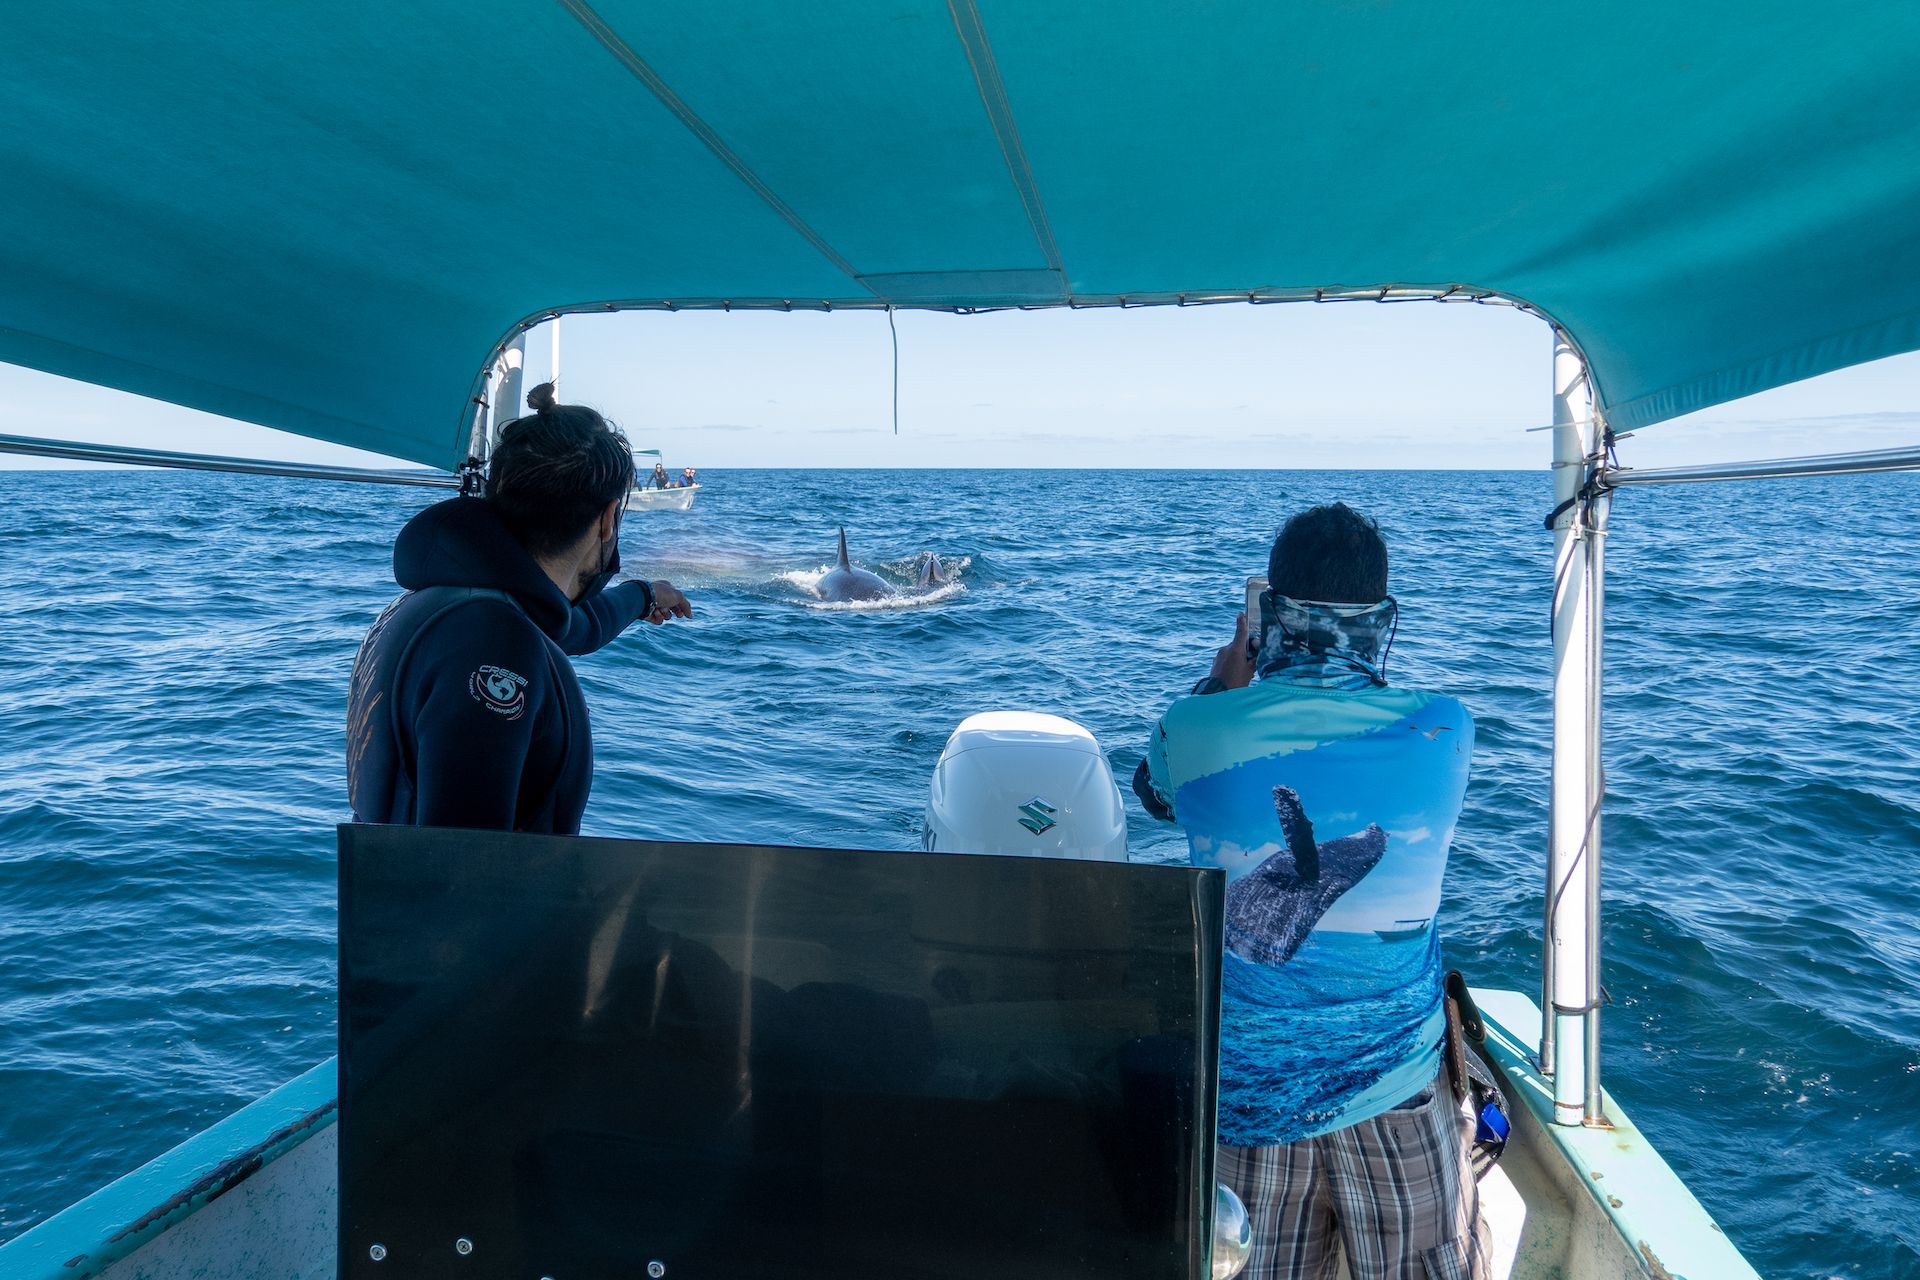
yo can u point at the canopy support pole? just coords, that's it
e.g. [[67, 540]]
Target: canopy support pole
[[1597, 513], [1570, 1041], [1823, 464], [126, 455], [506, 396], [499, 404]]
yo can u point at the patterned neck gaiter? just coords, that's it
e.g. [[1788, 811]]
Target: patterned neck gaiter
[[1332, 646]]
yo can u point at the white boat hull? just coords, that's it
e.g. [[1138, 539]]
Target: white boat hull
[[662, 499]]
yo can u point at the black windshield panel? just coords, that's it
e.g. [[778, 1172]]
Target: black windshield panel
[[585, 1056]]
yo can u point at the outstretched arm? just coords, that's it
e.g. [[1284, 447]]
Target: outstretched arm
[[594, 623], [597, 620]]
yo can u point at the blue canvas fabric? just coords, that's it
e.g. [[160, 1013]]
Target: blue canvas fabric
[[323, 216], [1330, 800]]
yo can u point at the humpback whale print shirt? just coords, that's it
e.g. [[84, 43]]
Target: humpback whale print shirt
[[1330, 800]]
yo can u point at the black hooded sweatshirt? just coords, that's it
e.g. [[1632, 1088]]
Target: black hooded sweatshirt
[[463, 710]]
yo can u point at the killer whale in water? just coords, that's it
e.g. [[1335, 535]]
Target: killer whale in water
[[845, 582], [932, 573], [1272, 908]]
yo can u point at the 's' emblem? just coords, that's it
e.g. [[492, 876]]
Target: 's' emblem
[[1039, 815], [499, 691]]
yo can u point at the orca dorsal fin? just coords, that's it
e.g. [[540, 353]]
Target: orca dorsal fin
[[844, 562]]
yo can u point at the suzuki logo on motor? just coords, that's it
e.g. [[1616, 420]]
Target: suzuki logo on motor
[[1039, 815]]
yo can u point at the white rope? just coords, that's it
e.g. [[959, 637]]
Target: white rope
[[896, 368]]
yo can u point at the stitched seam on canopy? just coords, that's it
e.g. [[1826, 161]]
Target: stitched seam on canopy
[[611, 41], [1388, 293], [993, 95]]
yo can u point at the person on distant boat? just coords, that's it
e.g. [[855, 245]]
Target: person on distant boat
[[463, 710], [1330, 798], [659, 480], [686, 478]]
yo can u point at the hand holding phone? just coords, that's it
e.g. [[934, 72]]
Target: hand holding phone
[[1256, 632], [1233, 663]]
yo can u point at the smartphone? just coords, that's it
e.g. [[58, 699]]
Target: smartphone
[[1256, 587]]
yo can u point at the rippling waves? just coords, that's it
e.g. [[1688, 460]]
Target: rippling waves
[[177, 649]]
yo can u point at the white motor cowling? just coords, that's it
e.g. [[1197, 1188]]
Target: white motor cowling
[[1027, 784]]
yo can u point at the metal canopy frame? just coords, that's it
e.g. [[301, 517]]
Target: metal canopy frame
[[1586, 475], [1570, 950], [1820, 464], [76, 451], [496, 384]]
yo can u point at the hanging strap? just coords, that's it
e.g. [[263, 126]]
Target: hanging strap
[[1598, 463]]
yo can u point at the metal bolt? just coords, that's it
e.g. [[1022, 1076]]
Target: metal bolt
[[463, 1246], [378, 1253], [656, 1269]]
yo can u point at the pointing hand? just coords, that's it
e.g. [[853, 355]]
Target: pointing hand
[[668, 602]]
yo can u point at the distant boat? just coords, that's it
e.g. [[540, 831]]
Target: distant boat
[[662, 499], [1404, 929], [646, 498]]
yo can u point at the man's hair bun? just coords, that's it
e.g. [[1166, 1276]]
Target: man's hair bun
[[554, 471]]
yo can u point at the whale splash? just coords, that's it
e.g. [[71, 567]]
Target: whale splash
[[843, 585]]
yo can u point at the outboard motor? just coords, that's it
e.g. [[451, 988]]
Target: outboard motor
[[1025, 783]]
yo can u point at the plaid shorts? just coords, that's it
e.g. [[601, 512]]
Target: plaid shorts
[[1395, 1193]]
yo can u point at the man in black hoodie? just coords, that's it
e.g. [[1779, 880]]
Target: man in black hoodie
[[463, 709]]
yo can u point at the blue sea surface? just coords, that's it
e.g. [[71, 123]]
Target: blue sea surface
[[177, 649]]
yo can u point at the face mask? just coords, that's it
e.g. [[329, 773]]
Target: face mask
[[609, 566]]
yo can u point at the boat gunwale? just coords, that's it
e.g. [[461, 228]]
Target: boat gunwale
[[115, 1221], [1663, 1224]]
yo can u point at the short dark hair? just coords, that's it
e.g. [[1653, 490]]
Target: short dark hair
[[555, 470], [1330, 553]]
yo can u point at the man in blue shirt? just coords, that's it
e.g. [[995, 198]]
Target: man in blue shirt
[[1329, 798]]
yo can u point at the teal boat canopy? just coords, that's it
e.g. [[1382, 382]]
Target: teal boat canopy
[[324, 217]]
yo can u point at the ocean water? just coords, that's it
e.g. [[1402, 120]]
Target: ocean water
[[177, 649]]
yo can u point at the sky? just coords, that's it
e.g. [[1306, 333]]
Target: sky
[[1336, 385]]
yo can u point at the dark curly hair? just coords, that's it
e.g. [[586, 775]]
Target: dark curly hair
[[555, 470], [1332, 554]]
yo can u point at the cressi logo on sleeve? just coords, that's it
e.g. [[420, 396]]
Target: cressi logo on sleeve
[[499, 691]]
